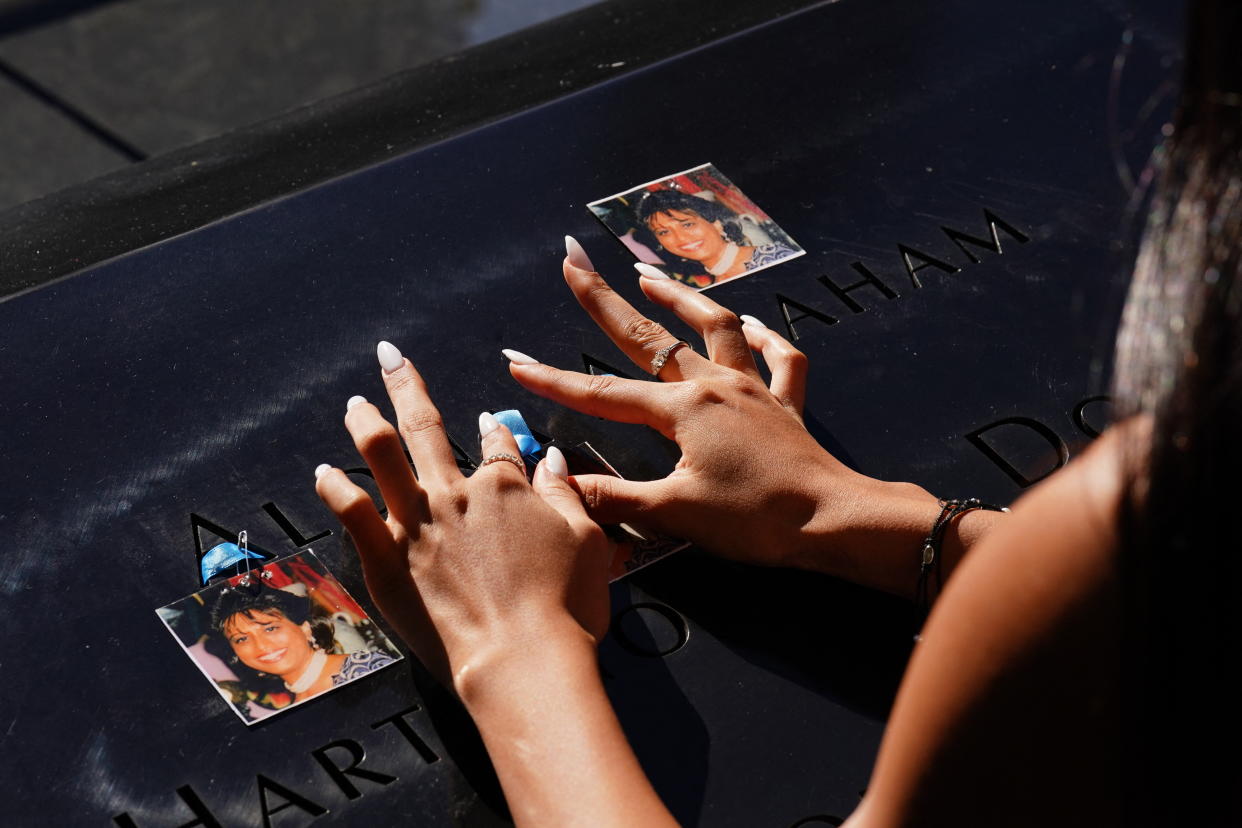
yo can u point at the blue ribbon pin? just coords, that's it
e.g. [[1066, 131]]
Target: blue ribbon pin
[[221, 557], [526, 442]]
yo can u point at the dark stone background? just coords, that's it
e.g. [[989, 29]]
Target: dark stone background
[[204, 376]]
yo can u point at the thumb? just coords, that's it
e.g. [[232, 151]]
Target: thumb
[[549, 482], [610, 499]]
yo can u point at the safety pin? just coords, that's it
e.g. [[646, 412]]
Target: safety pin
[[246, 580]]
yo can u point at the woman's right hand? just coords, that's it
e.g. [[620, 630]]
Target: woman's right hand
[[752, 484], [500, 587], [470, 571]]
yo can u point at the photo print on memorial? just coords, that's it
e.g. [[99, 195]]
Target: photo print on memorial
[[696, 226], [633, 549], [277, 636]]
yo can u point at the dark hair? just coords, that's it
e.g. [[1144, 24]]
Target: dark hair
[[263, 599], [663, 201], [1179, 365]]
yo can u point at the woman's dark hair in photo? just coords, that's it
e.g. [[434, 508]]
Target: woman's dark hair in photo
[[1179, 367], [663, 201], [265, 600]]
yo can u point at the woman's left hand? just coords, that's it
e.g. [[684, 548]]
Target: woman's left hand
[[467, 570], [752, 484]]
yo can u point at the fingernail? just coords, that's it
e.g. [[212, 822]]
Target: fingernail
[[750, 320], [519, 358], [354, 400], [321, 470], [577, 256], [555, 461], [487, 424], [390, 358], [650, 271]]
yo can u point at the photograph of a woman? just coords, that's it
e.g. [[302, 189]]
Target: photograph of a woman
[[278, 636], [697, 227]]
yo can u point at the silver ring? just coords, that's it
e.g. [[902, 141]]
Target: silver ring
[[662, 355], [506, 457]]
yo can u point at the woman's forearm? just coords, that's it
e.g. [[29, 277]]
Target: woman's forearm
[[553, 737]]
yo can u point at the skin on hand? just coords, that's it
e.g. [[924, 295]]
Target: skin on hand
[[500, 587], [466, 569], [1005, 716], [781, 500]]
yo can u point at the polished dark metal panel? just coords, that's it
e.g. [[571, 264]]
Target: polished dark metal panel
[[196, 384], [181, 190]]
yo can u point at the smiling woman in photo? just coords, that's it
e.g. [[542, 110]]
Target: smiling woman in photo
[[272, 632], [706, 233]]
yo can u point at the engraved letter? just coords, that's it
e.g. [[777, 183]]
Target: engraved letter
[[598, 366], [868, 279], [1080, 418], [205, 818], [908, 254], [680, 629], [198, 523], [292, 799], [398, 721], [294, 533], [962, 239], [464, 463], [1016, 438], [806, 312], [341, 775]]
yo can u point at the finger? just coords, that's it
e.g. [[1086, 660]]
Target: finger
[[613, 398], [787, 364], [380, 446], [418, 420], [381, 558], [384, 567], [551, 483], [610, 499], [497, 442], [720, 327], [636, 335]]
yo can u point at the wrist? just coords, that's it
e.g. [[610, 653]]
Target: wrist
[[539, 703], [872, 533], [869, 532], [522, 654]]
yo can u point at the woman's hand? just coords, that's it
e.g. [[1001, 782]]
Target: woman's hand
[[502, 586], [467, 570], [751, 483]]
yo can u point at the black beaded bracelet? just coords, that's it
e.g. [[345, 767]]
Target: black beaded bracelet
[[949, 509]]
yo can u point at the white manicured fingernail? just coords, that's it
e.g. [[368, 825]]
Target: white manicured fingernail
[[650, 271], [390, 358], [519, 358], [487, 424], [321, 470], [354, 400], [577, 256], [750, 320], [555, 461]]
